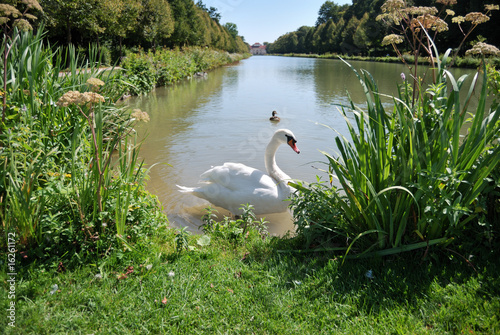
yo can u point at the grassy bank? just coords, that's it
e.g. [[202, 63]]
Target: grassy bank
[[245, 286], [147, 70], [464, 62]]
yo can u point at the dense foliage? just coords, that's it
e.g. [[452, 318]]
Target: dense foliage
[[118, 24], [355, 29]]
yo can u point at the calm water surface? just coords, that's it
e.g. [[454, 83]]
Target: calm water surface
[[224, 117]]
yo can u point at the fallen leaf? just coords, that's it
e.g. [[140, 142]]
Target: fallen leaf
[[230, 291], [164, 301], [122, 276]]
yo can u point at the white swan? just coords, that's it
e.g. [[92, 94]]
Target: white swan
[[233, 184]]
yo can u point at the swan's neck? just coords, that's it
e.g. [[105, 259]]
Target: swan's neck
[[272, 168]]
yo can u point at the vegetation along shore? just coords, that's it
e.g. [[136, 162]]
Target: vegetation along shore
[[408, 243]]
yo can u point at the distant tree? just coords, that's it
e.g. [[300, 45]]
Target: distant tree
[[157, 22], [127, 19], [214, 14], [330, 10], [232, 29], [361, 38], [187, 28], [328, 37], [347, 45]]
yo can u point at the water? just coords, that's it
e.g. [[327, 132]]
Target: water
[[203, 122]]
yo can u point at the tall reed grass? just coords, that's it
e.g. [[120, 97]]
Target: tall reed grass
[[409, 178], [71, 182]]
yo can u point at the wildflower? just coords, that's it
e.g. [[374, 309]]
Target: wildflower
[[483, 49], [491, 7], [140, 115], [403, 76], [447, 2], [171, 274], [421, 10], [69, 98], [449, 12], [392, 39], [393, 10], [89, 98], [458, 19], [32, 4], [95, 83], [8, 10], [392, 6], [22, 24], [476, 18], [429, 22]]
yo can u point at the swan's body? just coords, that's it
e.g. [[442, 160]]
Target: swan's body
[[232, 185], [274, 117]]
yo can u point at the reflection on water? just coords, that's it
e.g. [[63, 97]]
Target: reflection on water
[[224, 117]]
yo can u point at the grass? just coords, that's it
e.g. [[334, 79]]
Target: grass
[[248, 287]]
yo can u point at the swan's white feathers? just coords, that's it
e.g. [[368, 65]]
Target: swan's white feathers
[[233, 184]]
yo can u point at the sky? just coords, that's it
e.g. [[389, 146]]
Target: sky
[[266, 20]]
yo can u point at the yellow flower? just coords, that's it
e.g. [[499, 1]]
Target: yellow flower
[[95, 82], [89, 98], [449, 12], [447, 2], [491, 7], [140, 115], [69, 98], [484, 49], [392, 39], [421, 10], [476, 18], [429, 22], [458, 19]]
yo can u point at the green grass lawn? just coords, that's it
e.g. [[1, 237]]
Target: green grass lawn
[[250, 287]]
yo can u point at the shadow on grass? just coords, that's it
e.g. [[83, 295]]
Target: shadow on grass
[[378, 284]]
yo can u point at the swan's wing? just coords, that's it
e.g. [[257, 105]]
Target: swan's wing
[[236, 176]]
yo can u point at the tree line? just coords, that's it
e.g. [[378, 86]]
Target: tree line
[[355, 30], [115, 24]]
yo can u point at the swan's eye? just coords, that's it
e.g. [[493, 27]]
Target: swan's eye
[[290, 138]]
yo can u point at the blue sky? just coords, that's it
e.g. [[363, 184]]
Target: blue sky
[[266, 20]]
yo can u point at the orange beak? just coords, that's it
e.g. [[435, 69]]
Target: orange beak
[[292, 145]]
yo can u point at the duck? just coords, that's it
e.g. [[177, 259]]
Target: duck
[[274, 117], [233, 185]]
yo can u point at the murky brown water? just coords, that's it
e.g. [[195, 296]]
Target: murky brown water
[[224, 117]]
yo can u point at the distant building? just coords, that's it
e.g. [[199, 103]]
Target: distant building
[[258, 49]]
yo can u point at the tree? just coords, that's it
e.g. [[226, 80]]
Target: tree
[[157, 22], [187, 27], [214, 14], [330, 11], [126, 19], [232, 29]]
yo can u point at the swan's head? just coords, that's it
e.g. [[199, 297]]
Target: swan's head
[[286, 136]]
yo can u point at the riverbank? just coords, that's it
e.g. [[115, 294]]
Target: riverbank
[[461, 62], [246, 285], [146, 70]]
